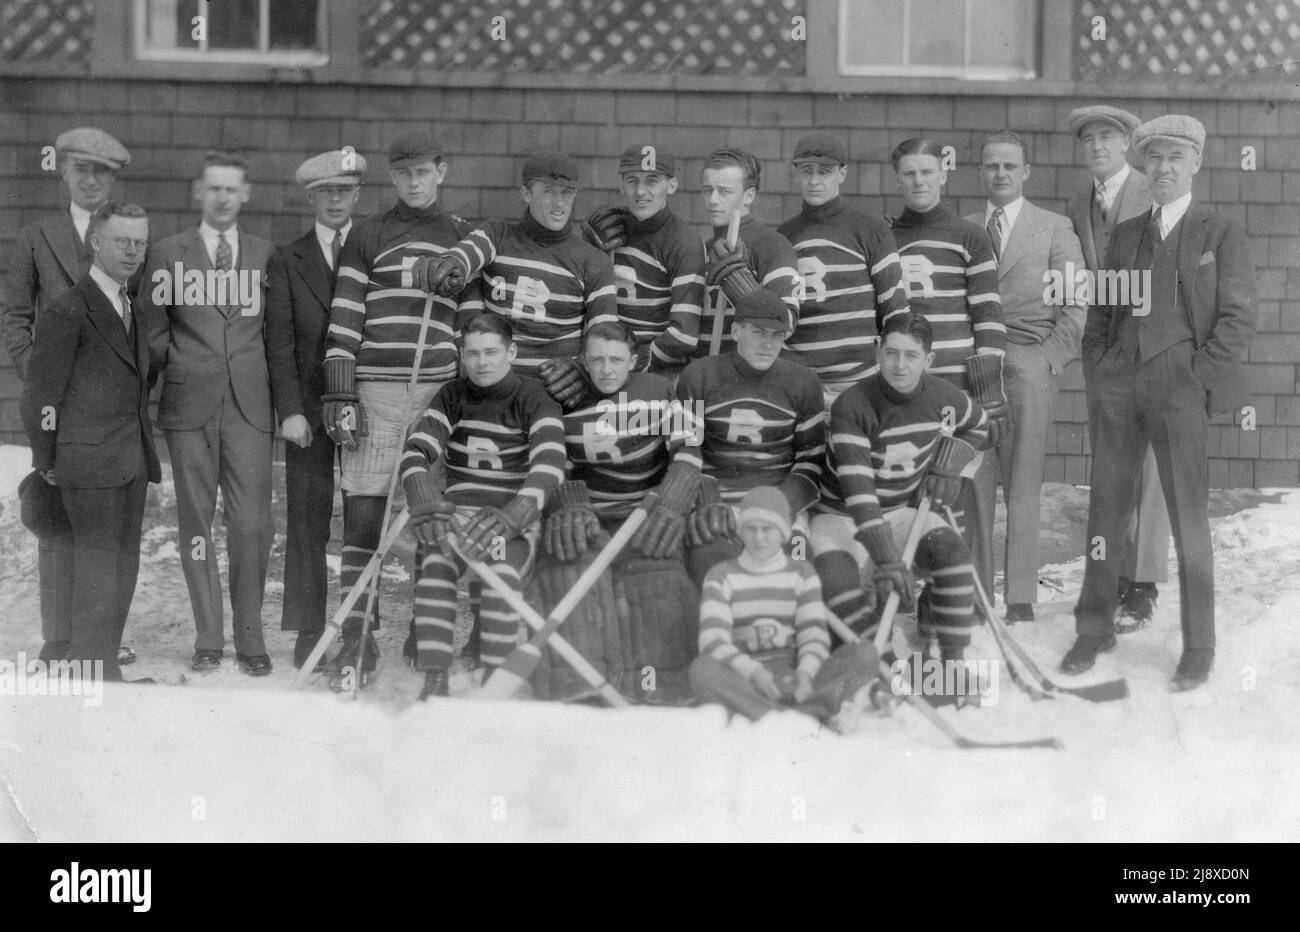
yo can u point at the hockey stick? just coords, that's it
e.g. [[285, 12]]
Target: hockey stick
[[519, 666], [719, 307], [335, 624], [885, 628], [373, 607], [1108, 691], [929, 712], [537, 623]]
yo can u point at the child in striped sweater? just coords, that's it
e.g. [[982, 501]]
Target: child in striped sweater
[[763, 633]]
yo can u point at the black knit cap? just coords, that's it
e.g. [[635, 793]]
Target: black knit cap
[[554, 167], [647, 157], [763, 307], [415, 145], [825, 148]]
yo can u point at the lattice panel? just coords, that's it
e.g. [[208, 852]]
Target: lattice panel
[[723, 37], [48, 31], [1209, 39]]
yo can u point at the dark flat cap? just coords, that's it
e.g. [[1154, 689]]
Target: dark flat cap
[[41, 507], [763, 307], [824, 148], [553, 167], [647, 157], [413, 146]]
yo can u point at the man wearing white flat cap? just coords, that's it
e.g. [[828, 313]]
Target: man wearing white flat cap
[[1158, 370]]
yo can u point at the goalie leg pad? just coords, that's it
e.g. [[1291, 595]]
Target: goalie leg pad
[[659, 616], [592, 628], [701, 559]]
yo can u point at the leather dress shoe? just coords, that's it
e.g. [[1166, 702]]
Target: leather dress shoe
[[1193, 668], [205, 660], [1019, 611], [254, 664], [1081, 657]]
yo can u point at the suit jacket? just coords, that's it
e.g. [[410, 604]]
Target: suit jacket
[[1039, 241], [1216, 280], [300, 288], [96, 386], [1134, 198], [46, 263], [206, 348]]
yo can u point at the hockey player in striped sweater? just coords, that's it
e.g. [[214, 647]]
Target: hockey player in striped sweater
[[951, 274], [764, 424], [626, 437], [762, 257], [537, 272], [851, 275], [886, 444], [658, 260], [375, 321], [501, 442], [763, 632]]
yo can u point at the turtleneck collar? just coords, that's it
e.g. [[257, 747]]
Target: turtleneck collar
[[652, 225], [540, 234], [835, 206], [745, 369], [913, 218], [495, 390], [721, 232], [405, 211], [901, 398]]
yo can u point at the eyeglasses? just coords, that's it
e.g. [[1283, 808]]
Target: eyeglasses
[[124, 243]]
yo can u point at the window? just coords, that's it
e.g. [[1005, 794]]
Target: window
[[992, 39], [274, 32]]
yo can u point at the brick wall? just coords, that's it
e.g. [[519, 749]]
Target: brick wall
[[168, 126]]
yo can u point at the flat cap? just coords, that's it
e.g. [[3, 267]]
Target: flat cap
[[763, 307], [338, 167], [41, 507], [553, 167], [647, 157], [823, 148], [1122, 120], [1172, 127], [414, 145], [94, 145]]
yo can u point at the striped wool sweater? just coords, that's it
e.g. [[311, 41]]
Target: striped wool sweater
[[760, 428], [620, 445], [852, 285], [748, 608], [496, 442], [660, 279], [375, 316], [881, 442], [952, 278], [550, 284], [772, 260]]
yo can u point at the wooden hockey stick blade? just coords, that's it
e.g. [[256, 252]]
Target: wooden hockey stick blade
[[535, 621], [522, 661], [1109, 691], [335, 624], [1033, 690]]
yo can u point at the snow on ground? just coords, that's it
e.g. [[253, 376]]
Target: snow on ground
[[226, 757]]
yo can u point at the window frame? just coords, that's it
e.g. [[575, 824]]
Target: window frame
[[281, 58], [959, 72]]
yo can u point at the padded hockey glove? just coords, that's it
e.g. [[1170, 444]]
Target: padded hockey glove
[[729, 270], [565, 380], [572, 524], [712, 518], [944, 475], [662, 531], [443, 275], [342, 413], [984, 371], [492, 527], [606, 228], [432, 518], [888, 571]]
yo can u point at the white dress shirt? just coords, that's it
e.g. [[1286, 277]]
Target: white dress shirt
[[1109, 189], [112, 290], [80, 220], [1009, 215], [325, 236], [1172, 212]]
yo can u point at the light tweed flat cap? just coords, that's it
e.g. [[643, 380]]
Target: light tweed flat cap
[[335, 167], [94, 145], [1172, 127]]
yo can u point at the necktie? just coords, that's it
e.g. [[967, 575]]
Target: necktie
[[1156, 224], [223, 253], [128, 318], [1101, 200], [335, 248], [995, 232]]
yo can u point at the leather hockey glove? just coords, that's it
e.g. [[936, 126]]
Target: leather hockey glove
[[712, 518], [565, 380], [341, 412], [432, 518], [443, 275], [888, 571], [984, 372], [572, 523], [943, 476], [493, 527], [606, 228], [729, 270], [661, 533]]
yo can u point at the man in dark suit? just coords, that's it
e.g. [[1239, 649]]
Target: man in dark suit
[[85, 407], [216, 406], [1116, 192], [49, 258], [298, 309], [1157, 367], [1042, 338]]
